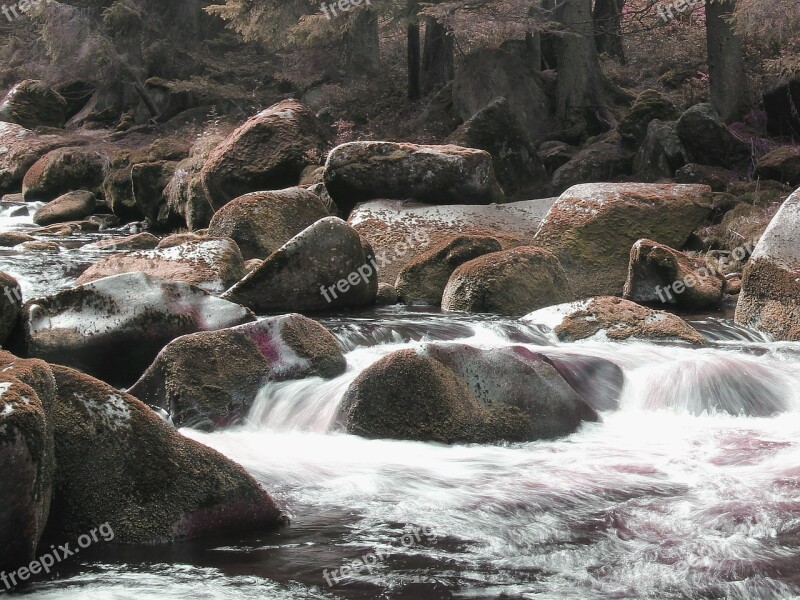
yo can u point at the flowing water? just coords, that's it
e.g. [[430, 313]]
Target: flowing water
[[660, 499]]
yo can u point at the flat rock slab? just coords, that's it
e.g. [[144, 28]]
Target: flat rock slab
[[385, 223]]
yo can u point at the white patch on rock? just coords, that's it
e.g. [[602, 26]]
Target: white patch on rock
[[553, 316], [114, 413]]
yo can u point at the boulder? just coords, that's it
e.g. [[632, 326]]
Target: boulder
[[597, 380], [360, 171], [708, 141], [213, 265], [268, 152], [72, 206], [32, 103], [660, 154], [717, 178], [20, 148], [591, 228], [770, 296], [658, 273], [424, 278], [148, 182], [782, 164], [27, 391], [649, 105], [387, 295], [261, 222], [178, 239], [496, 129], [120, 463], [485, 74], [603, 160], [458, 394], [780, 106], [137, 241], [326, 266], [555, 154], [12, 238], [607, 318], [236, 364], [113, 328], [511, 282], [517, 377], [64, 170], [185, 195], [10, 306], [401, 231]]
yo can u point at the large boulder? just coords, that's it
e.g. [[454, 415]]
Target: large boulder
[[658, 273], [113, 328], [32, 103], [20, 148], [661, 152], [399, 231], [268, 152], [27, 392], [511, 282], [72, 206], [10, 306], [603, 160], [213, 265], [64, 170], [237, 363], [649, 105], [360, 171], [591, 228], [462, 395], [770, 297], [496, 129], [423, 279], [120, 463], [708, 141], [607, 318], [485, 74], [262, 222], [517, 377], [326, 266], [782, 164]]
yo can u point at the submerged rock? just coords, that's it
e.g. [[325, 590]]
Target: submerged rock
[[236, 364], [360, 171], [511, 282], [212, 265], [114, 327], [120, 463], [613, 319], [591, 228]]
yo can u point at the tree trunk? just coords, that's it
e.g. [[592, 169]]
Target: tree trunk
[[580, 102], [362, 46], [437, 56], [414, 90], [726, 72], [607, 17]]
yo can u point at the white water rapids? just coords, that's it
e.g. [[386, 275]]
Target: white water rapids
[[658, 500]]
